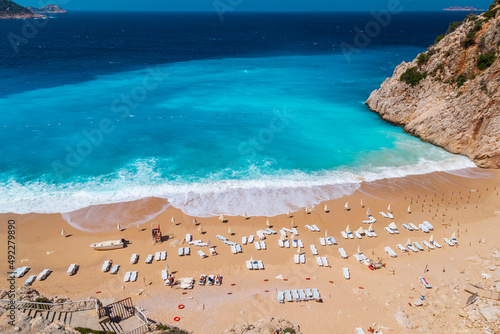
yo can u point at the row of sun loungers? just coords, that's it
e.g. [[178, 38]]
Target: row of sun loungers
[[114, 270], [255, 265], [370, 233], [313, 250], [299, 258], [130, 276], [343, 253], [298, 295], [260, 245], [389, 251], [313, 228], [184, 251], [284, 243], [235, 249], [386, 215], [328, 241], [370, 220], [19, 272], [322, 261]]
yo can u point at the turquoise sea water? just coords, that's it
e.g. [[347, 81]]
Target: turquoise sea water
[[261, 135]]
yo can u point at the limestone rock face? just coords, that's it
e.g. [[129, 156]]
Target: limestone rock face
[[456, 106], [265, 325]]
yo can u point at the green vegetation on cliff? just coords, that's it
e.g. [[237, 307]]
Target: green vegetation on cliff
[[8, 7]]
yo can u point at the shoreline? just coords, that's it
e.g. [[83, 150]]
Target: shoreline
[[40, 242]]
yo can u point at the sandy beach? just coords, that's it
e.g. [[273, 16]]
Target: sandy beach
[[466, 202]]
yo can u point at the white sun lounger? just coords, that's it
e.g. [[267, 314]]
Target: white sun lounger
[[288, 296], [163, 255], [401, 248], [189, 237], [106, 265], [313, 249], [220, 237], [133, 276], [302, 295], [428, 245], [389, 214], [384, 214], [373, 233], [368, 234], [423, 228], [149, 259], [315, 293], [350, 235], [244, 240], [30, 280], [316, 228], [257, 245], [410, 247], [309, 228], [181, 251], [301, 244], [287, 243], [134, 258], [114, 271], [359, 331], [281, 297], [43, 275], [157, 256], [233, 249], [296, 297], [260, 235], [309, 293], [260, 265], [332, 239], [187, 251], [164, 274], [267, 231], [356, 233], [318, 261], [295, 244], [389, 230], [322, 241], [296, 258], [448, 242], [413, 226], [127, 276], [416, 244], [72, 269], [249, 264], [263, 245], [201, 254], [325, 261], [15, 272], [389, 251], [22, 271], [343, 253], [329, 241], [345, 271], [428, 225], [344, 234], [271, 231], [295, 232], [454, 241], [281, 243], [435, 243], [238, 249], [302, 258], [283, 234], [250, 239]]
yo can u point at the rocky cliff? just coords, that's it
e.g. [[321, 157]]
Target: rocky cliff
[[49, 9], [449, 95], [11, 10]]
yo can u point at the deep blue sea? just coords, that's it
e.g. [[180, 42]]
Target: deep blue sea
[[260, 113]]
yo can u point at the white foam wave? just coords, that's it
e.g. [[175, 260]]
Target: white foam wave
[[267, 195]]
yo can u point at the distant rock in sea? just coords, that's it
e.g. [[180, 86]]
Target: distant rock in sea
[[49, 9], [449, 95], [462, 9], [11, 10]]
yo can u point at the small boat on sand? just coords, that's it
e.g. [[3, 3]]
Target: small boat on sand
[[108, 245]]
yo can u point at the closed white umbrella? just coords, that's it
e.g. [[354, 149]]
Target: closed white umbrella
[[453, 236], [229, 231], [138, 225], [166, 268], [194, 221], [431, 239], [346, 205], [288, 213], [268, 223], [389, 208], [326, 233], [360, 230], [292, 223], [408, 242], [359, 250], [371, 227], [221, 218], [306, 209], [326, 208], [173, 219], [298, 250], [348, 230], [362, 203], [209, 243], [118, 226], [63, 233], [200, 229], [368, 213], [409, 209], [245, 214]]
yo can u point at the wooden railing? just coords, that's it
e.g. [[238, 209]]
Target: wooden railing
[[80, 305]]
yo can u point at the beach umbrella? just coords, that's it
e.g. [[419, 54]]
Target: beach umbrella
[[221, 218], [371, 228], [393, 226], [326, 208], [346, 206], [118, 226], [360, 230], [389, 208], [431, 239], [298, 250], [292, 223], [194, 221], [200, 229], [251, 258], [453, 236], [166, 268], [63, 233], [173, 219], [306, 209], [362, 203], [348, 230], [288, 213], [368, 213], [359, 250], [245, 214], [409, 209], [268, 223], [326, 233], [209, 243], [138, 225], [229, 231], [408, 242]]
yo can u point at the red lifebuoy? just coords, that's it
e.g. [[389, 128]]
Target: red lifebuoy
[[177, 319], [181, 306]]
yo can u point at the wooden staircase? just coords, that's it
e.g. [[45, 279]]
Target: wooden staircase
[[62, 316]]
